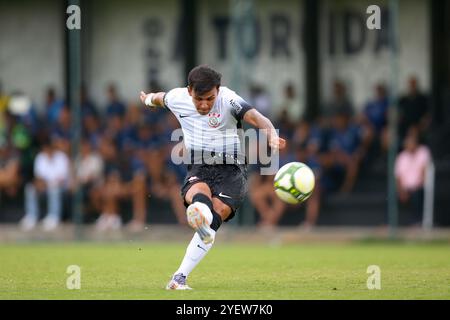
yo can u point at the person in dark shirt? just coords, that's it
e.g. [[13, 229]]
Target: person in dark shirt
[[115, 106], [87, 106], [53, 106], [340, 102], [413, 109]]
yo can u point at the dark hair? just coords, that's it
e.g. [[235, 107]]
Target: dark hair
[[202, 79], [45, 140]]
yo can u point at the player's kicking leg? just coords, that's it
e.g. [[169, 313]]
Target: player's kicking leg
[[199, 217], [205, 221]]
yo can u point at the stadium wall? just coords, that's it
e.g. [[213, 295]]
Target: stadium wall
[[361, 57], [262, 48], [133, 44], [137, 43], [32, 47]]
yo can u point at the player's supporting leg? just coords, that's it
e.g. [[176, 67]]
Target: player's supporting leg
[[203, 218]]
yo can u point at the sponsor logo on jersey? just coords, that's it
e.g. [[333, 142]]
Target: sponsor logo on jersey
[[224, 195], [236, 106]]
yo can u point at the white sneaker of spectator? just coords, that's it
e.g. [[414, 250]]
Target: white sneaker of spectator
[[102, 222], [135, 226], [50, 223], [108, 221], [115, 223], [27, 223]]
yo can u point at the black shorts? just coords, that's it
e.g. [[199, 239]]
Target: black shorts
[[228, 183]]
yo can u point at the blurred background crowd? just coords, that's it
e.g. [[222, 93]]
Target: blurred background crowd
[[124, 155], [355, 105], [125, 151]]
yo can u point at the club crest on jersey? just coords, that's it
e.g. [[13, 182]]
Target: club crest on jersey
[[214, 119]]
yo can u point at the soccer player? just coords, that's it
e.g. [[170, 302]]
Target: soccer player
[[216, 181]]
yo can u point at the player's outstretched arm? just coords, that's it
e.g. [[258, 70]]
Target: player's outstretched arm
[[153, 99], [256, 119]]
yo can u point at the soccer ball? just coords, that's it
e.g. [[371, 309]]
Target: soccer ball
[[294, 182]]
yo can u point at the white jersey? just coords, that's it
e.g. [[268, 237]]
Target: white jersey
[[213, 134]]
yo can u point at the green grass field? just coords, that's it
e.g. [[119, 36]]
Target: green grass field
[[141, 271]]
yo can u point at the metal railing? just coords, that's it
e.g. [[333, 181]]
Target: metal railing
[[428, 203]]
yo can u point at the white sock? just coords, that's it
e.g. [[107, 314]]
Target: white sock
[[195, 252]]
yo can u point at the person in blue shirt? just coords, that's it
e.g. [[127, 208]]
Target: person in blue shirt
[[87, 106], [374, 118], [376, 109], [53, 106], [345, 151], [114, 106]]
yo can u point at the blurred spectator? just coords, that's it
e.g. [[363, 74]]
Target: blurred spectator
[[22, 141], [410, 169], [263, 197], [165, 177], [442, 133], [87, 106], [260, 99], [262, 193], [346, 150], [413, 109], [52, 174], [92, 129], [53, 107], [165, 181], [124, 179], [10, 178], [376, 109], [290, 111], [284, 124], [20, 119], [14, 130], [88, 175], [374, 118], [132, 120], [4, 100], [308, 145], [114, 106], [115, 130], [61, 130], [340, 103], [112, 190]]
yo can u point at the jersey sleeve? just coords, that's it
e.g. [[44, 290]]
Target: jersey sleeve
[[169, 98], [237, 104]]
